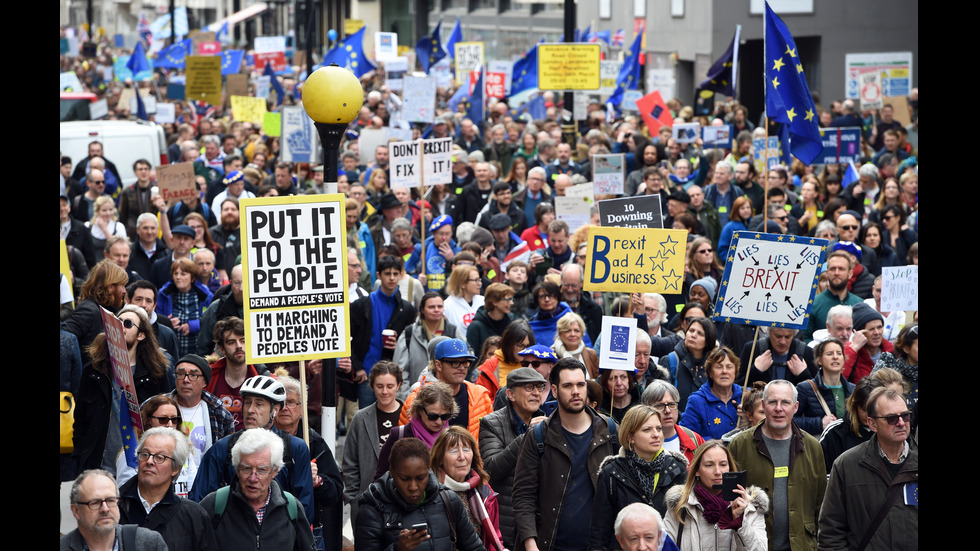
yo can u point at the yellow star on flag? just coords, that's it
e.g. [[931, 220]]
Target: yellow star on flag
[[780, 238], [791, 113], [775, 82], [799, 68], [809, 115], [777, 64], [790, 51]]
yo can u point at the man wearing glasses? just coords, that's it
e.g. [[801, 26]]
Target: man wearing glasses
[[872, 498], [83, 206], [789, 464], [203, 412], [501, 434], [451, 364], [255, 495], [148, 499], [95, 505]]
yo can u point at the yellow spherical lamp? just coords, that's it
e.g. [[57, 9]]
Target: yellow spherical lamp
[[332, 95]]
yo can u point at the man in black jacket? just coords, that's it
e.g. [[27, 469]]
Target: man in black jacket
[[780, 355]]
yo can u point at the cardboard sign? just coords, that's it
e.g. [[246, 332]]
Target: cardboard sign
[[495, 85], [267, 44], [575, 211], [840, 146], [299, 142], [277, 59], [385, 46], [122, 372], [629, 260], [870, 84], [434, 156], [717, 136], [687, 132], [467, 57], [609, 174], [244, 108], [568, 66], [203, 79], [176, 181], [642, 211], [437, 162], [294, 250], [899, 288], [201, 37], [419, 97], [165, 113], [618, 347], [770, 279], [237, 84]]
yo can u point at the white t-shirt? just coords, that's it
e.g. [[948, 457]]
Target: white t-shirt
[[198, 425], [459, 313]]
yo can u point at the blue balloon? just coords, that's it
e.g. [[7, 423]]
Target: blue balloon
[[332, 34]]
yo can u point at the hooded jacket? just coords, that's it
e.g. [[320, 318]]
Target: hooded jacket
[[699, 535]]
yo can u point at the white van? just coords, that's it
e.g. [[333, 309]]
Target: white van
[[123, 143]]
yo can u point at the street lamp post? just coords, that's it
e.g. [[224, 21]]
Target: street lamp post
[[332, 97]]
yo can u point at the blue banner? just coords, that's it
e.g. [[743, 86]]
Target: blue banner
[[840, 146]]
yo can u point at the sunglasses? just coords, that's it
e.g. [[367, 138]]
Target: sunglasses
[[850, 227], [163, 420], [533, 363], [128, 323], [436, 416], [893, 419]]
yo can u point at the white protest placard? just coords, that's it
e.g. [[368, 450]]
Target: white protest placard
[[770, 280], [419, 96], [870, 87], [165, 113], [609, 174], [608, 72], [369, 140], [575, 211], [686, 132], [629, 100], [395, 73], [400, 134], [580, 110], [268, 44], [899, 288], [294, 252], [719, 136], [298, 141], [99, 109], [505, 67], [385, 46], [262, 85], [149, 103], [618, 347], [70, 82], [580, 190], [437, 163], [404, 160], [467, 57]]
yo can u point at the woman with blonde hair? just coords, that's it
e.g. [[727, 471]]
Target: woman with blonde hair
[[464, 297], [569, 343], [105, 222], [699, 518]]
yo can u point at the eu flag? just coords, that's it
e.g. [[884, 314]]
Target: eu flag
[[474, 108], [788, 97], [349, 53], [459, 96], [137, 62], [429, 49], [721, 74], [280, 94], [173, 57], [535, 107], [629, 74], [525, 72], [140, 107], [231, 61], [455, 36]]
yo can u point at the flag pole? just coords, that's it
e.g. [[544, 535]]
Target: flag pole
[[422, 202], [765, 145]]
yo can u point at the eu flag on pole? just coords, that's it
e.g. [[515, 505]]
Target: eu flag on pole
[[788, 97], [137, 62], [455, 36], [429, 49], [721, 74], [275, 83], [231, 61], [140, 107], [174, 57], [525, 72], [629, 74], [474, 109], [349, 53], [850, 176]]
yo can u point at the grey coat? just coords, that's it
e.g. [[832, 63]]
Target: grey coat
[[412, 355], [146, 540], [361, 452]]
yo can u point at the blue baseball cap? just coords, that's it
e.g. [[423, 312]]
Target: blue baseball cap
[[453, 349]]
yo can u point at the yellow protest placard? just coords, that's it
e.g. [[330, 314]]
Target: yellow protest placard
[[568, 66], [203, 79], [631, 260], [244, 108], [272, 124], [66, 267]]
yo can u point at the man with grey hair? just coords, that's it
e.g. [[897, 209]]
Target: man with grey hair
[[839, 326], [721, 193], [95, 506], [789, 463], [498, 149], [639, 527], [572, 280], [546, 153], [148, 248], [860, 196], [647, 368], [283, 525], [655, 307], [210, 164], [148, 499]]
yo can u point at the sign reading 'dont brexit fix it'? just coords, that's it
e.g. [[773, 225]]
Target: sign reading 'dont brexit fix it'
[[770, 279], [294, 254], [631, 260]]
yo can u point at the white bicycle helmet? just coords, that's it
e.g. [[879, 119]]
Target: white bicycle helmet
[[266, 387]]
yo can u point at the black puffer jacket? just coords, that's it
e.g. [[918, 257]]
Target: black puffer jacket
[[382, 514], [619, 486]]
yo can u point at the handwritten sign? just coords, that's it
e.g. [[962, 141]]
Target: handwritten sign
[[609, 174], [203, 78], [568, 66], [899, 288], [176, 181], [434, 156], [618, 347], [574, 210], [770, 280], [467, 56], [419, 96], [404, 163], [629, 260], [244, 108], [299, 142], [642, 211], [294, 252], [237, 84]]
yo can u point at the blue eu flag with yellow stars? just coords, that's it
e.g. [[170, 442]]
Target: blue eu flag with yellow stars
[[788, 97], [172, 57], [349, 53], [525, 72], [721, 74], [429, 50], [231, 61], [629, 74]]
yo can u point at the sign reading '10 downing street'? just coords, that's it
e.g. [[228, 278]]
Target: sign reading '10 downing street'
[[294, 258], [770, 279]]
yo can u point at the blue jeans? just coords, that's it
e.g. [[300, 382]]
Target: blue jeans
[[318, 538]]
